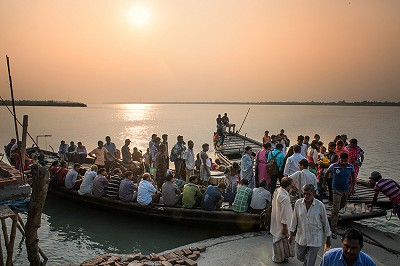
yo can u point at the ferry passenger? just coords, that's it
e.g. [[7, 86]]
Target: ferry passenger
[[114, 184], [128, 189], [151, 142], [161, 166], [340, 148], [99, 155], [164, 138], [146, 159], [388, 187], [356, 156], [231, 182], [9, 146], [312, 152], [261, 160], [80, 153], [154, 150], [350, 253], [317, 137], [330, 158], [306, 141], [63, 151], [100, 183], [246, 166], [344, 138], [17, 157], [62, 173], [260, 198], [226, 124], [266, 138], [71, 151], [205, 167], [212, 198], [177, 153], [87, 183], [243, 197], [303, 177], [292, 163], [284, 137], [126, 154], [171, 194], [191, 193], [147, 191], [277, 154], [189, 160], [112, 152], [137, 155], [281, 141], [273, 142], [72, 179], [220, 130]]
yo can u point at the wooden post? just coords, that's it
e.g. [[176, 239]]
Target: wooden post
[[40, 183], [10, 247], [23, 145]]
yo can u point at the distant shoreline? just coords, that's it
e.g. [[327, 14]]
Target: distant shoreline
[[339, 103], [44, 103]]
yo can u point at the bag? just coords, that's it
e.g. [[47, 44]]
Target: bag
[[173, 156], [283, 250], [272, 166]]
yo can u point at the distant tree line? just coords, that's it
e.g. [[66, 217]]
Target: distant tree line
[[44, 103], [339, 103]]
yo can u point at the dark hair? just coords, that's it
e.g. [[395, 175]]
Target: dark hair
[[332, 144], [279, 146], [128, 174], [307, 137], [351, 234], [263, 183], [98, 143], [297, 148], [192, 178], [300, 137], [314, 144], [339, 142], [101, 170], [221, 185], [55, 163], [76, 165], [286, 182], [63, 164], [169, 177], [353, 141], [116, 171], [235, 165], [304, 162], [344, 155], [317, 136], [247, 148], [244, 181], [267, 145]]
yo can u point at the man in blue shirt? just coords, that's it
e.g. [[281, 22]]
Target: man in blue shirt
[[350, 254], [343, 174], [212, 198]]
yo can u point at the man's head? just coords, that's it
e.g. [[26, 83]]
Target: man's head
[[71, 143], [286, 182], [353, 143], [102, 171], [79, 144], [129, 175], [296, 148], [13, 140], [193, 179], [279, 146], [225, 114], [317, 137], [352, 243], [331, 146], [344, 158], [221, 187], [179, 139], [77, 167], [146, 176], [190, 144], [248, 149], [94, 168], [303, 164], [127, 142], [375, 177], [164, 137], [169, 177], [264, 184], [63, 164], [244, 182], [308, 192], [100, 144], [108, 139], [300, 139], [117, 171], [205, 147], [153, 136], [266, 132]]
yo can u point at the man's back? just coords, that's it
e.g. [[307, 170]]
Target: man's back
[[260, 198], [242, 199], [210, 198], [389, 188]]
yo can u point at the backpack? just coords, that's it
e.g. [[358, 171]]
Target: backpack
[[173, 156], [272, 166]]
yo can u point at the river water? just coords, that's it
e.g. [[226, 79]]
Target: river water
[[70, 233]]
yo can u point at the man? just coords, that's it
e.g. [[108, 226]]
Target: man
[[292, 163], [114, 183], [86, 186], [350, 254], [191, 193], [276, 155], [246, 167], [243, 197], [343, 174], [177, 153], [126, 153], [333, 158], [137, 155], [73, 180], [310, 221], [205, 167], [62, 151], [62, 173], [71, 151], [213, 198], [80, 153], [164, 138], [100, 183], [281, 213], [260, 198], [161, 166], [220, 130], [225, 122], [170, 192], [154, 150], [99, 154], [303, 177], [304, 147], [147, 191], [112, 152], [151, 142], [189, 160], [388, 187], [9, 146], [128, 191]]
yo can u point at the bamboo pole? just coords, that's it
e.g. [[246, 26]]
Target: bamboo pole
[[5, 233], [12, 98], [10, 247], [23, 145], [1, 255]]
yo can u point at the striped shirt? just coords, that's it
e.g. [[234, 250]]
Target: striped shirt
[[242, 199], [113, 187], [389, 188]]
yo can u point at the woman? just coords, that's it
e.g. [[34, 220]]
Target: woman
[[356, 156], [340, 148], [261, 165], [246, 166], [266, 138]]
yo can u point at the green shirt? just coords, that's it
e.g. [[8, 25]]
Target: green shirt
[[190, 193], [242, 199]]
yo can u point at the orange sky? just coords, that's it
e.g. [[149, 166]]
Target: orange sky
[[224, 50]]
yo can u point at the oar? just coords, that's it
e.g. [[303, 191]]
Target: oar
[[243, 121]]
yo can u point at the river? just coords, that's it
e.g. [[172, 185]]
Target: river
[[70, 233]]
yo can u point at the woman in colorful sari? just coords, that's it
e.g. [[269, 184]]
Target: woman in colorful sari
[[356, 156], [261, 165], [340, 148]]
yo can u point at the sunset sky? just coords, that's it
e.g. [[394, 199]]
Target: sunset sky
[[99, 51]]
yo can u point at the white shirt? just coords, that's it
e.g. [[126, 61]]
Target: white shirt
[[292, 164], [260, 198], [313, 153], [304, 148], [304, 177], [87, 183], [189, 159], [311, 225], [100, 155], [281, 211]]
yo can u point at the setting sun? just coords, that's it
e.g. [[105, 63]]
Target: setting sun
[[139, 15]]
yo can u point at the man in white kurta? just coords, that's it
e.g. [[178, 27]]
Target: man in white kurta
[[303, 176], [281, 213], [310, 220]]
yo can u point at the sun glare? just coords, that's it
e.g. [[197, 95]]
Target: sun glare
[[139, 15]]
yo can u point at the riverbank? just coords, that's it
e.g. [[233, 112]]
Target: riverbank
[[43, 103]]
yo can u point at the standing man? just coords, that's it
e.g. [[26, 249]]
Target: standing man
[[292, 163], [281, 213], [311, 222], [205, 167], [343, 174], [350, 253], [246, 167], [126, 153], [99, 155], [164, 138], [303, 176], [189, 160], [112, 152], [276, 155], [388, 187], [161, 166], [177, 153]]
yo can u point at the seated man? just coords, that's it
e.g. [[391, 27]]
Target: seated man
[[243, 197], [73, 180], [114, 184], [128, 190], [100, 183], [63, 151], [260, 199], [213, 198], [388, 187], [170, 192], [71, 151], [147, 191], [61, 174], [87, 183], [137, 155], [191, 193], [80, 153]]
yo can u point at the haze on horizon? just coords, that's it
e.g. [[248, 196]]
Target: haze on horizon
[[132, 51]]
